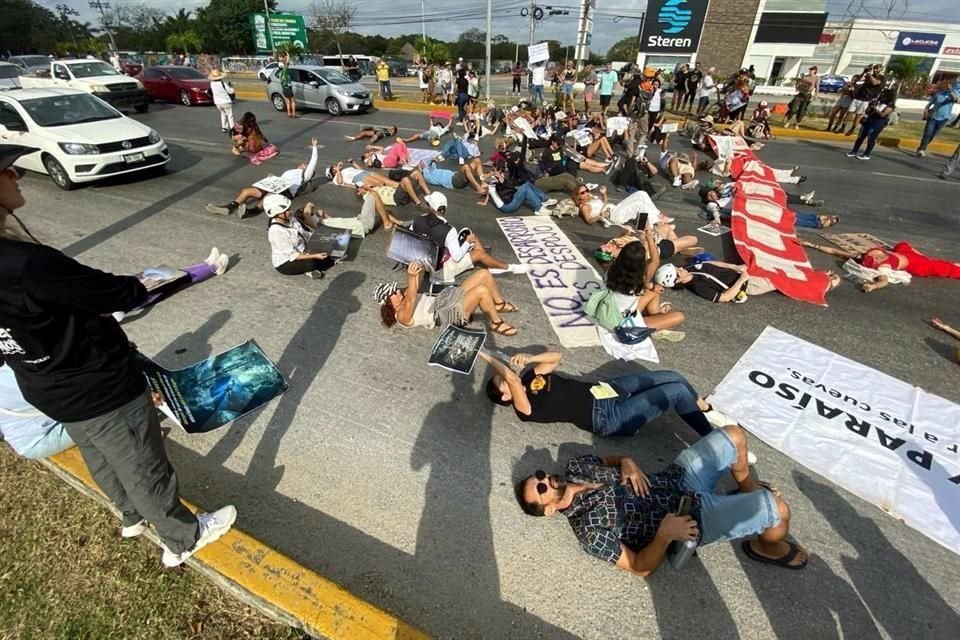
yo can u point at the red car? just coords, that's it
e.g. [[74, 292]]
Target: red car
[[185, 85]]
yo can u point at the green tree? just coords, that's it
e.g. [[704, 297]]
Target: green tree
[[27, 27], [434, 50], [905, 69], [625, 49], [188, 42], [224, 25]]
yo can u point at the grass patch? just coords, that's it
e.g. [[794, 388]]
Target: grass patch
[[66, 573], [903, 129]]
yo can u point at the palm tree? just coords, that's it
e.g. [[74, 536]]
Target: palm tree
[[179, 22], [187, 41], [290, 48], [906, 69]]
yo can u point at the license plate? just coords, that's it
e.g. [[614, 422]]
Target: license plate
[[133, 157], [366, 102]]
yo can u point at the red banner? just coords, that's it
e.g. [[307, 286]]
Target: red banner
[[763, 232]]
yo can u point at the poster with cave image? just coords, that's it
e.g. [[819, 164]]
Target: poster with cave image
[[457, 349]]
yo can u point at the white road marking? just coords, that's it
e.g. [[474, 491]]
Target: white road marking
[[894, 175]]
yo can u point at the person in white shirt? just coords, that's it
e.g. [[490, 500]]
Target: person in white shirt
[[288, 233], [538, 75], [446, 84], [223, 99], [299, 180], [707, 87]]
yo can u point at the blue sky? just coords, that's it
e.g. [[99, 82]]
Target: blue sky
[[447, 19]]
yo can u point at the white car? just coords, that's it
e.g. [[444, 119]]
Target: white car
[[81, 138], [266, 70]]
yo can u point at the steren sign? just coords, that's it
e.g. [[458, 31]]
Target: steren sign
[[672, 26]]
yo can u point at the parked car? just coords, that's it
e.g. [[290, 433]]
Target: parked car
[[95, 77], [81, 138], [30, 64], [185, 85], [831, 83], [266, 70], [9, 76], [316, 87]]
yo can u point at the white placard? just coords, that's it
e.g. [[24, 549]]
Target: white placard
[[562, 278], [882, 439], [538, 52], [273, 184], [669, 127]]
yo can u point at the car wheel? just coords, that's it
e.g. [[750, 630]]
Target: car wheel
[[333, 107], [57, 173], [185, 98], [278, 102], [142, 108]]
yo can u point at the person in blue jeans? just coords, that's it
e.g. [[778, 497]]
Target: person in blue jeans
[[625, 517], [874, 121], [937, 113], [29, 432], [462, 149], [617, 407], [527, 193]]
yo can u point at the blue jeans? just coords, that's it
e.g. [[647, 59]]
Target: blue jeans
[[952, 162], [53, 441], [385, 91], [723, 517], [807, 219], [869, 131], [930, 132], [536, 94], [455, 149], [462, 100], [643, 397], [527, 193]]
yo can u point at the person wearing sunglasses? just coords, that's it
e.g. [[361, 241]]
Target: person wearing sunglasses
[[73, 363], [628, 518]]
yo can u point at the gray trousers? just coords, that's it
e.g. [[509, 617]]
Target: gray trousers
[[560, 182], [125, 455], [952, 162]]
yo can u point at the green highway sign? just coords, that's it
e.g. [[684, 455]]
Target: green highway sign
[[284, 27]]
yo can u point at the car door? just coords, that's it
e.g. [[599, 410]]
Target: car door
[[149, 80], [14, 130], [61, 75], [315, 90]]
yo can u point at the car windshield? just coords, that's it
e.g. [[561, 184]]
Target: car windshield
[[56, 111], [91, 69], [34, 61], [9, 71], [333, 76], [185, 73]]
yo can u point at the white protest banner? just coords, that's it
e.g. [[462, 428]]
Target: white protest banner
[[538, 52], [670, 127], [882, 439], [562, 278]]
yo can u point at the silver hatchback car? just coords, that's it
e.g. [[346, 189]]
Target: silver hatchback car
[[316, 87]]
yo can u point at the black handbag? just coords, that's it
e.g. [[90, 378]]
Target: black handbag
[[628, 333]]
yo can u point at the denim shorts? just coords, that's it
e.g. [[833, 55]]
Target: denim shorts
[[724, 517], [567, 88]]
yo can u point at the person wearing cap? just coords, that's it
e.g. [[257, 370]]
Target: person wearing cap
[[808, 87], [288, 233], [223, 94], [74, 363], [299, 181], [717, 281], [760, 122], [408, 308]]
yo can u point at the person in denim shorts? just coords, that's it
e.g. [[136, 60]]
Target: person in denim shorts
[[622, 515]]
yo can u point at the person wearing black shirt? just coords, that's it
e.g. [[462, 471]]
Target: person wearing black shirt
[[679, 86], [875, 121], [618, 407], [463, 95], [693, 87], [720, 281], [74, 363], [871, 84]]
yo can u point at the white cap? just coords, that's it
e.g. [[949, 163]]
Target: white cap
[[436, 200], [666, 276], [275, 204]]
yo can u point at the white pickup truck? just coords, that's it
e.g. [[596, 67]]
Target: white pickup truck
[[92, 76]]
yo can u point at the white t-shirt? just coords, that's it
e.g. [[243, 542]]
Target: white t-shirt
[[655, 101], [221, 92], [347, 175], [539, 73], [287, 241], [423, 83], [706, 86]]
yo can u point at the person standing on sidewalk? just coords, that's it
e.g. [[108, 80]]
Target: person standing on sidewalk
[[936, 114], [73, 362], [608, 78], [383, 79], [951, 164], [517, 77], [808, 87], [875, 120], [223, 95]]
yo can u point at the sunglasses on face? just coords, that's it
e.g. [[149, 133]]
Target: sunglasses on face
[[542, 487], [582, 192]]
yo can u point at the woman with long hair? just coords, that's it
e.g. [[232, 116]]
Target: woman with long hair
[[249, 139], [74, 363], [629, 279], [408, 308]]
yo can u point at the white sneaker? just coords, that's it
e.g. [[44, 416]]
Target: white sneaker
[[220, 265], [212, 527], [439, 158], [119, 316], [550, 202], [669, 335], [807, 197], [133, 530], [214, 254], [690, 185], [676, 181], [460, 161], [718, 418], [591, 186]]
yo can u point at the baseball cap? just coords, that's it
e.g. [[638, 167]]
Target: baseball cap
[[9, 154], [275, 204], [436, 200]]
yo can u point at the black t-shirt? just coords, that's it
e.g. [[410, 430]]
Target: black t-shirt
[[432, 226], [693, 79], [71, 361], [680, 79], [867, 91], [462, 84], [554, 398], [704, 282]]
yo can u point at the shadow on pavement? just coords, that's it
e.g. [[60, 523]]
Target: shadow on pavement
[[904, 607], [950, 352], [301, 362]]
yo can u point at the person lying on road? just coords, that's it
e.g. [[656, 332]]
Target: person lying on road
[[716, 281], [374, 134]]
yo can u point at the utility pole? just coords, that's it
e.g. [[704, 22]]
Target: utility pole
[[584, 31], [489, 29], [102, 7], [273, 45], [533, 22], [423, 20]]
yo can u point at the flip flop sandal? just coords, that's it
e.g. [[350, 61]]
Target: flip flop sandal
[[775, 490], [497, 327], [783, 561], [665, 307], [505, 307]]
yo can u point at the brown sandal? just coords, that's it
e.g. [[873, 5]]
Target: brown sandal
[[498, 327], [505, 307]]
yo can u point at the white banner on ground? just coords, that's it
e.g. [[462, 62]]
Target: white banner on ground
[[538, 53], [562, 278], [884, 440]]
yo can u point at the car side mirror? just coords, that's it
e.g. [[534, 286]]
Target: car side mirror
[[314, 83], [63, 76], [16, 126]]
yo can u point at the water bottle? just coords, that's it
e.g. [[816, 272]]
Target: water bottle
[[681, 551]]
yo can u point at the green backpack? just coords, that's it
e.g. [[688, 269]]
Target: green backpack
[[603, 309]]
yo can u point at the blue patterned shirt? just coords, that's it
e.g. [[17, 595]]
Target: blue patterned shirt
[[605, 518]]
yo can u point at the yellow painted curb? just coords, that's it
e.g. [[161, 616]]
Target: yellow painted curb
[[319, 606], [909, 144]]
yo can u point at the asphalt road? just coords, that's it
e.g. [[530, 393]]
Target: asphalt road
[[395, 479]]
